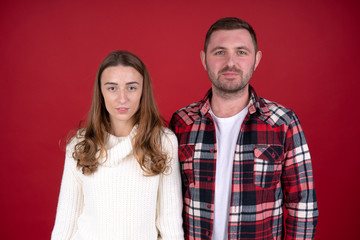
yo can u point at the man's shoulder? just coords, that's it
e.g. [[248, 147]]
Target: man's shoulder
[[192, 108], [277, 113], [188, 114]]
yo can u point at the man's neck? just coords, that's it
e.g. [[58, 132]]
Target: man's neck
[[225, 105]]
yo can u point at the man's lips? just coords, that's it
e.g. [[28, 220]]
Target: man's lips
[[230, 74]]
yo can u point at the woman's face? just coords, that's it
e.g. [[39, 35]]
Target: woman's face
[[122, 89]]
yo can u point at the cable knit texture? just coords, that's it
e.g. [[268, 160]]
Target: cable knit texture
[[118, 201]]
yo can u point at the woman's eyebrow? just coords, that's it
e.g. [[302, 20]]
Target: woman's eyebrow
[[110, 83]]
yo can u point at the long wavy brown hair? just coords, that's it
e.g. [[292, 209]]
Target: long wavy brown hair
[[147, 140]]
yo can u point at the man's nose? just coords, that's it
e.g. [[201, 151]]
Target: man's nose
[[230, 60]]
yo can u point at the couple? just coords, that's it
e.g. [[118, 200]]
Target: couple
[[124, 170]]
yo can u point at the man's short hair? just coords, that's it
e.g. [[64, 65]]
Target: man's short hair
[[230, 23]]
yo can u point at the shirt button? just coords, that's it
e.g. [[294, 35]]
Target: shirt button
[[212, 150], [207, 233], [208, 206], [273, 155], [209, 179]]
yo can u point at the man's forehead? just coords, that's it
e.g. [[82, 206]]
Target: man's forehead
[[230, 38], [230, 34]]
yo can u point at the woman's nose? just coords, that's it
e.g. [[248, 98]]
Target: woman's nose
[[122, 97]]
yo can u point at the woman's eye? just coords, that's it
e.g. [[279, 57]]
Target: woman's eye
[[111, 89], [132, 88]]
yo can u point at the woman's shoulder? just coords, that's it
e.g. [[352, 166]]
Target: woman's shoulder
[[167, 133], [72, 142], [168, 139]]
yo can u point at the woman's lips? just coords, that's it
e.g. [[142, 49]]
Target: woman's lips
[[122, 109]]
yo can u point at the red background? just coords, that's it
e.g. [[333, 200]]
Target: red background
[[50, 52]]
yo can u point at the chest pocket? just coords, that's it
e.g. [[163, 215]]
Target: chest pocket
[[186, 152], [267, 165]]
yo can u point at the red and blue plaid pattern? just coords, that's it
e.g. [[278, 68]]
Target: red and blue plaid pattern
[[272, 169]]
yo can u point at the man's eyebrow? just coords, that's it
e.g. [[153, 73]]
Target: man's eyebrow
[[217, 48], [243, 47], [224, 48]]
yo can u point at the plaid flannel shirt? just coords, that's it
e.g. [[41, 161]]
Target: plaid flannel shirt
[[271, 169]]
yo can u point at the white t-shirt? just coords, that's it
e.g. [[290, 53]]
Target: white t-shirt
[[227, 133]]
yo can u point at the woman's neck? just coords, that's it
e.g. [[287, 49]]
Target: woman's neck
[[121, 129]]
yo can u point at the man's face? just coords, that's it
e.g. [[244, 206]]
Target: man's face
[[230, 60]]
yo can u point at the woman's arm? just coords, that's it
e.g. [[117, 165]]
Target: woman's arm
[[70, 200], [169, 205]]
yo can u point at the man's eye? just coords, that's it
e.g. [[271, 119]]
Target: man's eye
[[219, 53], [241, 53]]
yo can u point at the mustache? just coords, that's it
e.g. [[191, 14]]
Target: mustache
[[230, 69]]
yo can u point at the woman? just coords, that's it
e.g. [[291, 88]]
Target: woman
[[121, 177]]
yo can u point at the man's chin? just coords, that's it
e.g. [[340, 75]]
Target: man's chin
[[231, 89]]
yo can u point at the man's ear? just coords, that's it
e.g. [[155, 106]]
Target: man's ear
[[203, 58], [257, 59]]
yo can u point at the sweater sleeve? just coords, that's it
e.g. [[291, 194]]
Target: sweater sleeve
[[169, 203], [70, 200]]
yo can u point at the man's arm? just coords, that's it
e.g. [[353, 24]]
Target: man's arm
[[298, 185], [176, 125]]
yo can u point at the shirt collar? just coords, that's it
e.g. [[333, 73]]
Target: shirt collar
[[256, 104]]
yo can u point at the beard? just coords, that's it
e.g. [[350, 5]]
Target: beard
[[230, 86]]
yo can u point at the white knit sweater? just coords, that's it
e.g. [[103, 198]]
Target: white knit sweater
[[118, 201]]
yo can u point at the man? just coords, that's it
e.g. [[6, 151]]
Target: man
[[243, 158]]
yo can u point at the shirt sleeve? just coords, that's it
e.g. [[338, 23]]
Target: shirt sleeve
[[298, 185], [70, 200], [173, 125], [169, 203]]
